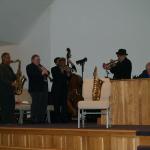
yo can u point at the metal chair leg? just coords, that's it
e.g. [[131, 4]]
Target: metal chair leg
[[79, 116], [110, 119], [20, 121], [48, 116], [82, 118], [107, 118]]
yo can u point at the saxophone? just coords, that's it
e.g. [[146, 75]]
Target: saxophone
[[20, 79], [97, 85]]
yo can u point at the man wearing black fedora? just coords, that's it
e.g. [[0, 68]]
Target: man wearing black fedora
[[122, 69]]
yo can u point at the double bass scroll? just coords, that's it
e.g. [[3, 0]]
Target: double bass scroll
[[68, 56]]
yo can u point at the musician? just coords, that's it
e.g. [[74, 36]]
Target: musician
[[122, 69], [146, 72], [60, 74], [56, 61], [7, 83], [38, 88]]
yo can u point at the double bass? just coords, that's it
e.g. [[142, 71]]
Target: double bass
[[74, 87]]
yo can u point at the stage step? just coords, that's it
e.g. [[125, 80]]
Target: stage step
[[21, 148], [143, 147]]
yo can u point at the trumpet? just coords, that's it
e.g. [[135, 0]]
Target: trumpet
[[42, 68], [111, 64]]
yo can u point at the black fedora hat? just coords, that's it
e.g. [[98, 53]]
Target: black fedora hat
[[121, 52]]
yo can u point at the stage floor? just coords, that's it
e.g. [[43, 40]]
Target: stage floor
[[74, 126], [139, 129]]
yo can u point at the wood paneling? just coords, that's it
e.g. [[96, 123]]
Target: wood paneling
[[68, 139], [124, 143], [16, 148], [145, 140], [130, 102]]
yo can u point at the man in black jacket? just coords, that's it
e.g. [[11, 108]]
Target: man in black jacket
[[122, 69], [60, 74], [7, 83], [38, 88]]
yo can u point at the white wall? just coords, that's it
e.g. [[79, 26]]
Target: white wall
[[97, 28], [17, 16], [36, 42], [8, 48]]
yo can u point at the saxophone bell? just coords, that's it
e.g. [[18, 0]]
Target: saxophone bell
[[97, 85], [20, 79]]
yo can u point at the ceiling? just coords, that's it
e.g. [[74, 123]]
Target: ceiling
[[18, 16]]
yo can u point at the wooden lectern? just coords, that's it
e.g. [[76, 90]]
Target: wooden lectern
[[130, 102]]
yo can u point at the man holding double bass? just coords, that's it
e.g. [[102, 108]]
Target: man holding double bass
[[68, 85], [61, 74]]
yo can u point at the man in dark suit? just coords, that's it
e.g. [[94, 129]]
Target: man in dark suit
[[122, 69], [60, 74], [7, 83], [56, 61], [146, 72], [38, 88]]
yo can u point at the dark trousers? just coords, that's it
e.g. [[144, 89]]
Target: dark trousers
[[7, 105], [39, 106], [60, 107]]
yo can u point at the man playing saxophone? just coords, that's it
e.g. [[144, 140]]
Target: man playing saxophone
[[7, 86], [122, 67], [38, 89]]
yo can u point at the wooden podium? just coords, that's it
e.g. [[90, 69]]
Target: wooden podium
[[130, 102]]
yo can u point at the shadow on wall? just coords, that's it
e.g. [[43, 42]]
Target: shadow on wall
[[18, 16]]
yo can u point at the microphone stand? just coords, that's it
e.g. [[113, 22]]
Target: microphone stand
[[82, 69], [82, 72], [82, 63]]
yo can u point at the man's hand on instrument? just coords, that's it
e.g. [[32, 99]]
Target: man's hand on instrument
[[44, 72], [70, 62], [106, 67], [13, 84]]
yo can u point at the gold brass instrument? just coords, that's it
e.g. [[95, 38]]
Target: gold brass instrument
[[41, 68], [20, 79], [97, 85], [66, 68], [111, 64]]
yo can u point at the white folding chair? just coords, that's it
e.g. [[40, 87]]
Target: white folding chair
[[88, 104], [23, 105]]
